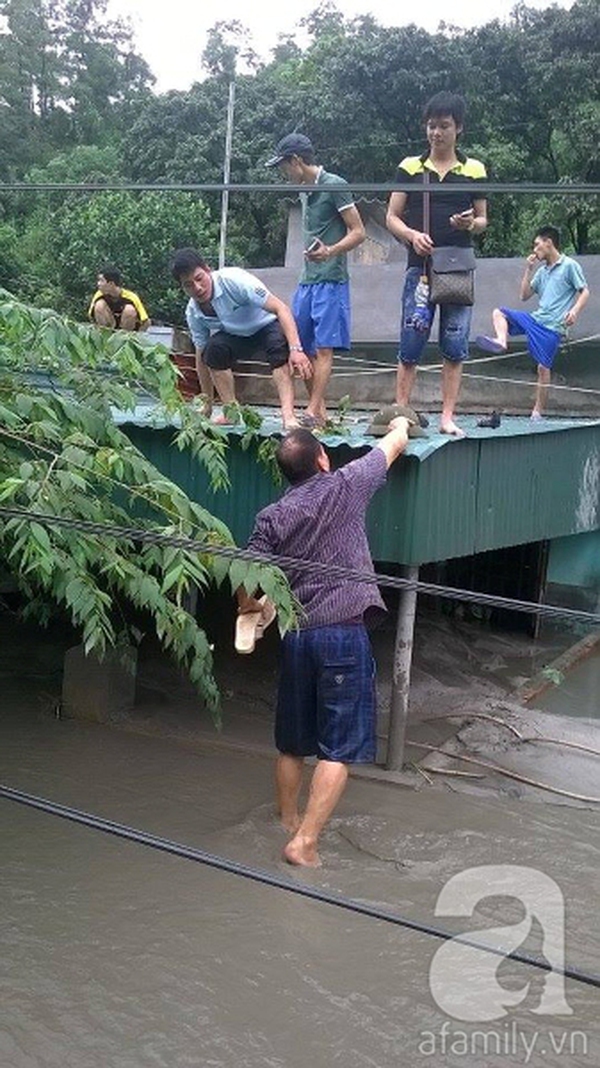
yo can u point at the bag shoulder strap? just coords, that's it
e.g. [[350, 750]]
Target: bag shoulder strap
[[426, 202], [426, 212]]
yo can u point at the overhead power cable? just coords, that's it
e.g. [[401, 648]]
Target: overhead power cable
[[290, 563], [534, 189]]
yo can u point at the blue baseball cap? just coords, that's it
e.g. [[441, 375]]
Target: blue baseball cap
[[294, 144]]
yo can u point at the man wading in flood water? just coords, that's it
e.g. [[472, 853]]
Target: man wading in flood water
[[326, 698]]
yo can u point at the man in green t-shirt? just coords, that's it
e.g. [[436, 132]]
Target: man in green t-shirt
[[331, 227]]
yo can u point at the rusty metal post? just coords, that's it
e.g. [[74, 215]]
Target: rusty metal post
[[403, 649]]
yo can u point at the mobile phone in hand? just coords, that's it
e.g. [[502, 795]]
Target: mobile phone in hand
[[314, 245]]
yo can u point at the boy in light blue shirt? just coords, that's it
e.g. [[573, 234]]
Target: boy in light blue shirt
[[562, 290]]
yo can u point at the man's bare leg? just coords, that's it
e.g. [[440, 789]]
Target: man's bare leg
[[327, 786], [129, 319], [405, 380], [207, 386], [288, 781], [541, 392], [225, 387], [317, 385], [285, 390], [451, 376], [501, 327], [103, 315], [224, 384]]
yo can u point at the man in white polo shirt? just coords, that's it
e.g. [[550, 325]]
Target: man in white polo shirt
[[231, 316]]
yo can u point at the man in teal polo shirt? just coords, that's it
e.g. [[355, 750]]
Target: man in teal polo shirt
[[331, 227], [562, 290]]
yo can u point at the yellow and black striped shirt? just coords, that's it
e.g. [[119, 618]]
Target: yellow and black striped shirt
[[116, 304], [442, 205]]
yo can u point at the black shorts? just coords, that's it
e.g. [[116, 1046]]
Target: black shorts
[[117, 306], [223, 350], [118, 315]]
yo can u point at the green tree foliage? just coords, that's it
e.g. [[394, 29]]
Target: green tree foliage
[[62, 455], [180, 137], [31, 271], [228, 46], [138, 232], [538, 103], [83, 164], [356, 87], [68, 75], [9, 254]]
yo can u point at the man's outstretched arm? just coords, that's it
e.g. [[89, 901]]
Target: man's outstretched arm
[[396, 440]]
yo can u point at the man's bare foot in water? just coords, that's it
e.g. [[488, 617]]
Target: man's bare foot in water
[[448, 426], [290, 823], [302, 852]]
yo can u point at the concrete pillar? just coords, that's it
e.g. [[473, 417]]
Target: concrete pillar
[[401, 673], [98, 690]]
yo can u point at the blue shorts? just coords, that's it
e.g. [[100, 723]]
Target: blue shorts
[[454, 330], [326, 698], [322, 314], [543, 343]]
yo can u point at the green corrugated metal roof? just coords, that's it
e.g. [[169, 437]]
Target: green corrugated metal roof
[[444, 498]]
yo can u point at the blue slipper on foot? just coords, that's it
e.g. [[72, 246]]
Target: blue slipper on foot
[[489, 344]]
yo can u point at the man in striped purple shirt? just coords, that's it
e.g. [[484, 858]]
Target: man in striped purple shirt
[[326, 696]]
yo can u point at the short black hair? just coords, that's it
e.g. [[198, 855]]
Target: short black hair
[[551, 233], [186, 260], [112, 274], [297, 455], [446, 104]]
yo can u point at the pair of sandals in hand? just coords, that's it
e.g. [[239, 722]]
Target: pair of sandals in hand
[[250, 626]]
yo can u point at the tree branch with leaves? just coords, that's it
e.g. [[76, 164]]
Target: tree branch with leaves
[[63, 456]]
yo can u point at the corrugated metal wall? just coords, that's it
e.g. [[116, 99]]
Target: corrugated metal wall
[[467, 498]]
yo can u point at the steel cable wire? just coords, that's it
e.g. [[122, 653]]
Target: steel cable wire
[[484, 186], [291, 563]]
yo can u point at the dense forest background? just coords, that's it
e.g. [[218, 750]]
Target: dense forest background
[[77, 106]]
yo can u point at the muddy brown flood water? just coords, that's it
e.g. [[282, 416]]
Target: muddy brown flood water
[[578, 694], [117, 956]]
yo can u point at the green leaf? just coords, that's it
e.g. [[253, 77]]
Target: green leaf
[[173, 577], [238, 570], [9, 487], [40, 536]]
